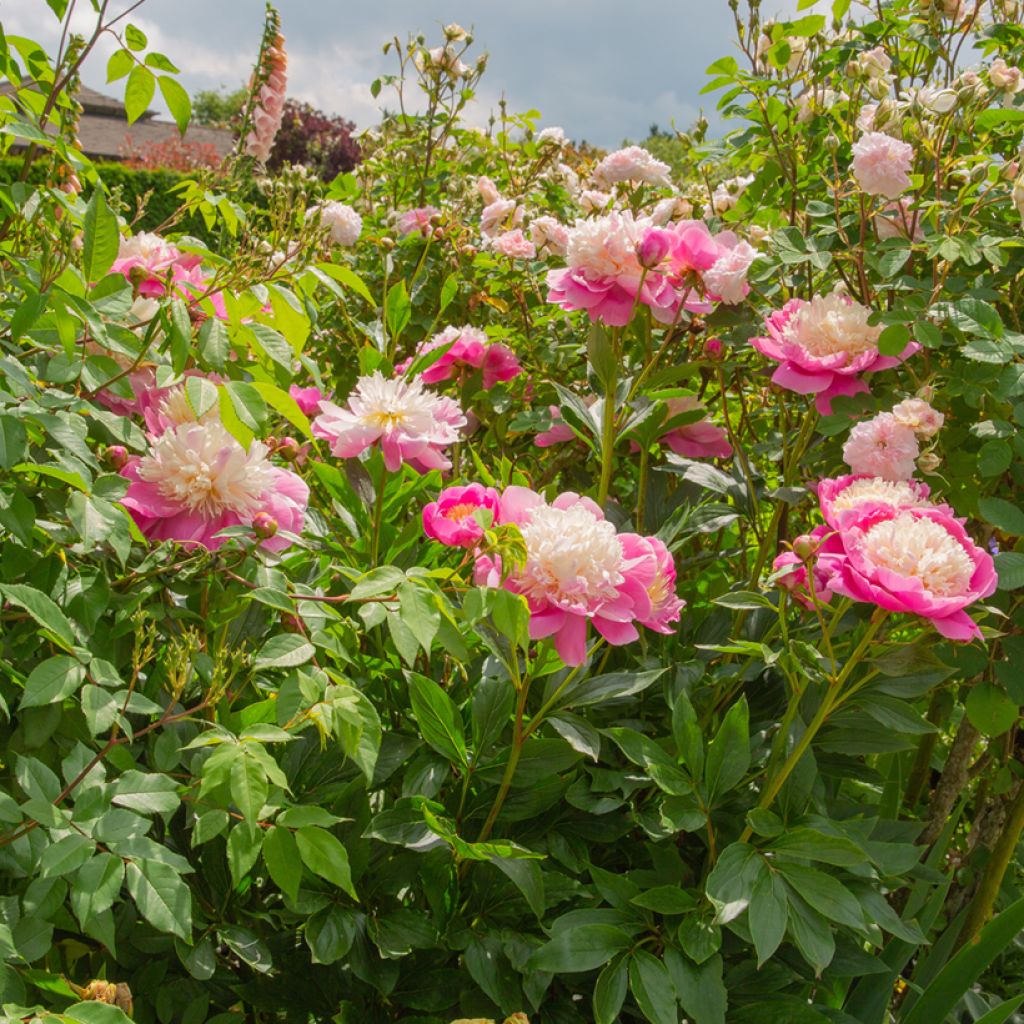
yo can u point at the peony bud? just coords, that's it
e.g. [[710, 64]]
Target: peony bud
[[655, 245], [116, 457], [805, 547], [264, 525]]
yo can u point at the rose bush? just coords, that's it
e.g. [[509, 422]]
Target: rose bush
[[510, 578]]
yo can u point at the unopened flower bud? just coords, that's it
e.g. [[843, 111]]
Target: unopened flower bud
[[387, 244], [928, 462], [805, 547], [116, 457], [831, 142], [264, 525], [713, 348], [288, 448], [655, 245], [926, 393], [1009, 170]]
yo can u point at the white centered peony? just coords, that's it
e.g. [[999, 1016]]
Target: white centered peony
[[895, 493], [202, 468], [606, 246], [920, 548], [832, 324], [571, 556], [387, 403]]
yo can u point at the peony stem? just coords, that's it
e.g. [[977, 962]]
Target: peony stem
[[378, 516], [608, 423], [518, 739]]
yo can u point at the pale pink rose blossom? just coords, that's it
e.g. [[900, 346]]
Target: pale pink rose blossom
[[866, 117], [673, 208], [593, 201], [487, 189], [881, 164], [917, 414], [549, 235], [498, 215], [452, 519], [468, 348], [419, 220], [409, 423], [343, 224], [726, 279], [514, 244], [197, 480], [553, 136], [633, 165], [726, 194], [873, 63], [882, 447], [898, 220]]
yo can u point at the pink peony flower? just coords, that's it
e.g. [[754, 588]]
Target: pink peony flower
[[549, 235], [919, 561], [452, 518], [166, 408], [695, 440], [268, 106], [410, 424], [558, 433], [498, 215], [308, 399], [840, 496], [881, 164], [514, 244], [882, 447], [579, 571], [343, 224], [633, 165], [823, 346], [654, 247], [469, 348], [917, 414], [197, 480], [411, 221], [726, 279]]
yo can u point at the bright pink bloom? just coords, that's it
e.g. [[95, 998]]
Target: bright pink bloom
[[308, 399], [839, 497], [197, 480], [797, 582], [148, 260], [514, 244], [881, 164], [698, 439], [578, 571], [557, 433], [882, 447], [654, 246], [665, 605], [452, 518], [919, 561], [410, 424], [823, 346], [469, 348], [419, 220], [192, 285]]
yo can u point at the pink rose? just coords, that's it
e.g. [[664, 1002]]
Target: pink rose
[[881, 164]]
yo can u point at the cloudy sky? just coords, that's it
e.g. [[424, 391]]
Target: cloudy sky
[[602, 69]]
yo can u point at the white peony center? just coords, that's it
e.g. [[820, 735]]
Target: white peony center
[[201, 467], [831, 324], [571, 556], [895, 493], [923, 549], [606, 246], [396, 403]]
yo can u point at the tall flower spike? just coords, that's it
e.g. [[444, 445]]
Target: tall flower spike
[[267, 87]]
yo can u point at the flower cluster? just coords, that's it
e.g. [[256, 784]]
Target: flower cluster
[[466, 348]]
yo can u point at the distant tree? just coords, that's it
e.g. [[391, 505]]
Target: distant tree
[[322, 142], [218, 108]]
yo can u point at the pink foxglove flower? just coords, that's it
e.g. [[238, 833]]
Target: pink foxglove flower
[[696, 440], [308, 399], [882, 447], [881, 164], [343, 224], [633, 165], [579, 571], [197, 480], [514, 244], [840, 496], [418, 220], [452, 519], [823, 346], [469, 348], [409, 423], [919, 561], [267, 104], [917, 414]]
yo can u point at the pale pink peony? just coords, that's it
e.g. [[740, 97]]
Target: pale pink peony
[[549, 235], [308, 399], [881, 164], [343, 224], [840, 496], [919, 561], [917, 414], [514, 244], [882, 447], [488, 190], [699, 439], [823, 346], [197, 480], [498, 215], [409, 423], [726, 279], [633, 165], [579, 571], [452, 519], [417, 220], [268, 105], [469, 348]]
